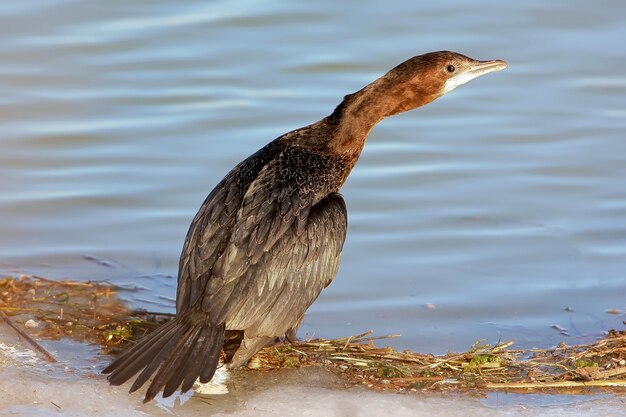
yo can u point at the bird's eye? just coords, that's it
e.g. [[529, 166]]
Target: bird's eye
[[450, 68]]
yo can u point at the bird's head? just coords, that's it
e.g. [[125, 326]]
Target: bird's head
[[423, 78], [413, 83]]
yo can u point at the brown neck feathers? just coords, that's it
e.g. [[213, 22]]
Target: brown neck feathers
[[358, 113]]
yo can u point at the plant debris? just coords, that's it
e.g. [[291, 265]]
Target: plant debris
[[483, 367], [85, 311], [92, 311]]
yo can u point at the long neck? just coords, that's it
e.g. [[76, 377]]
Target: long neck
[[358, 113], [344, 132], [355, 117]]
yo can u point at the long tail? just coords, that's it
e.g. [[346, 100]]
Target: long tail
[[180, 349]]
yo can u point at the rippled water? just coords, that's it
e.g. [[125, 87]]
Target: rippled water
[[482, 215]]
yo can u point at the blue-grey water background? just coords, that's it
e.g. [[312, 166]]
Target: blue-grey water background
[[496, 212]]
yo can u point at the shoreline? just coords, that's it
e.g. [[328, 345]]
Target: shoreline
[[349, 370]]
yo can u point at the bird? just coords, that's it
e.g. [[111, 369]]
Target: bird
[[269, 237]]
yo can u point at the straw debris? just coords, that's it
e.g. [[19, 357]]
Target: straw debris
[[92, 312], [483, 367], [85, 311]]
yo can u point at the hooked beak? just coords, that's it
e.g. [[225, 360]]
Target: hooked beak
[[475, 70]]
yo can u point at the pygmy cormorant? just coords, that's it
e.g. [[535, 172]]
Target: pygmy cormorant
[[269, 237]]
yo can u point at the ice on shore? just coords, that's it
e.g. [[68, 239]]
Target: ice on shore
[[34, 388]]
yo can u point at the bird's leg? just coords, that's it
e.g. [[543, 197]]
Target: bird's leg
[[290, 334], [247, 349]]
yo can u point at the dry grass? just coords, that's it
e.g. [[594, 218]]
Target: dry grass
[[92, 312], [482, 367], [84, 311]]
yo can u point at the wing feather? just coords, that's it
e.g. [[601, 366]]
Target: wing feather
[[265, 242], [211, 228], [291, 275]]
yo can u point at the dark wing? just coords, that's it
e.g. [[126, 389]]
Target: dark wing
[[211, 228], [276, 243], [290, 276]]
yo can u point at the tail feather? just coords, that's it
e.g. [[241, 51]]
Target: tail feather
[[181, 350], [210, 365], [132, 351], [137, 357], [169, 377], [171, 374], [190, 371], [155, 358]]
